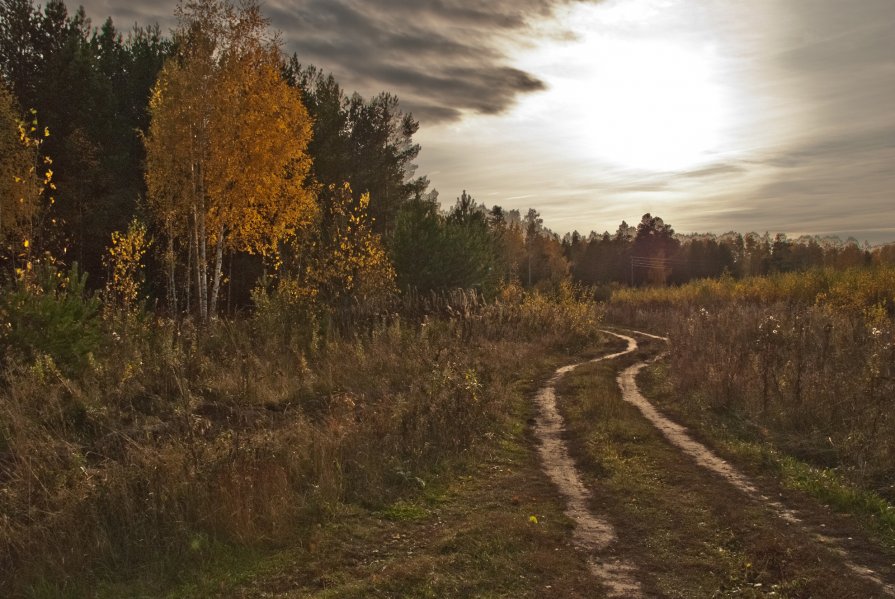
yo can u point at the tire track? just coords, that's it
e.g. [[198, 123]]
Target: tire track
[[592, 534], [595, 535], [677, 435]]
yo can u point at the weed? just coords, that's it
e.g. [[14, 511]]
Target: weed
[[808, 359], [174, 443]]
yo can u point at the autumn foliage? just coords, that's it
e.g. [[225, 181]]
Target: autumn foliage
[[227, 161], [281, 319], [26, 183]]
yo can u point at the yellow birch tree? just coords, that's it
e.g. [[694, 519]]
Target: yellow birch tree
[[226, 149], [341, 257]]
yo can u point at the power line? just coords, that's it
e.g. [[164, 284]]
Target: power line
[[652, 263]]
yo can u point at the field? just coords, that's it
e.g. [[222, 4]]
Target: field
[[398, 457], [803, 361], [169, 445], [249, 349]]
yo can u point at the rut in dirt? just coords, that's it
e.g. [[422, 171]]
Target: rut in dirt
[[595, 535], [592, 534], [677, 435]]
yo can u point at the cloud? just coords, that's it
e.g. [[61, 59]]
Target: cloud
[[125, 14], [713, 170], [809, 147], [443, 58], [842, 147]]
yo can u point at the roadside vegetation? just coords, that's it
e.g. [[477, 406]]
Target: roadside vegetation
[[166, 440], [793, 373], [236, 327], [689, 533]]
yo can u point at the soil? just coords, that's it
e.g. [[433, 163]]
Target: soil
[[594, 534]]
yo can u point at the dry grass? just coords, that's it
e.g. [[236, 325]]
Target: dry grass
[[172, 440], [806, 362], [688, 532]]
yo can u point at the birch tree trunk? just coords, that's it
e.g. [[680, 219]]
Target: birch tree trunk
[[218, 269], [202, 264], [172, 283]]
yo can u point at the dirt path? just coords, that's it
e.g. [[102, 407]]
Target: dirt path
[[677, 434], [594, 534], [704, 457]]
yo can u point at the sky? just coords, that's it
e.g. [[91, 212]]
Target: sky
[[768, 115]]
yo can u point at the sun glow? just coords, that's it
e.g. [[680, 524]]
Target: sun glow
[[651, 107], [650, 104]]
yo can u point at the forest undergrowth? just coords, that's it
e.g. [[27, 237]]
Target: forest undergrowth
[[166, 439]]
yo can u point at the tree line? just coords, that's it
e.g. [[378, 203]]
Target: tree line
[[652, 253], [189, 169]]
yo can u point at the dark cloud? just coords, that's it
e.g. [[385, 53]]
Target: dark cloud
[[441, 57], [125, 13], [841, 147]]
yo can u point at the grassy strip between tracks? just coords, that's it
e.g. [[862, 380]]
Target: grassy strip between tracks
[[688, 533]]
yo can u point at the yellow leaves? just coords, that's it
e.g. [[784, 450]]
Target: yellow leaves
[[21, 188], [342, 256], [228, 136], [124, 260]]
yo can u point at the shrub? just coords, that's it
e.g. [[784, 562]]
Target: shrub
[[50, 313], [251, 430]]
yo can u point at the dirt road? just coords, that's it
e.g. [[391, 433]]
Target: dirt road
[[595, 533], [592, 534]]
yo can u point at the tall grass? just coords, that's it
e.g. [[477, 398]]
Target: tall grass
[[249, 432], [806, 360]]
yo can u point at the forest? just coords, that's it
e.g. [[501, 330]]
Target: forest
[[103, 168], [231, 309]]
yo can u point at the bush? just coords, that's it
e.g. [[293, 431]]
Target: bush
[[251, 430], [50, 313]]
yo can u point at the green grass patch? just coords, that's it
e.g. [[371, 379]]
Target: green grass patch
[[823, 484], [213, 569], [403, 511]]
